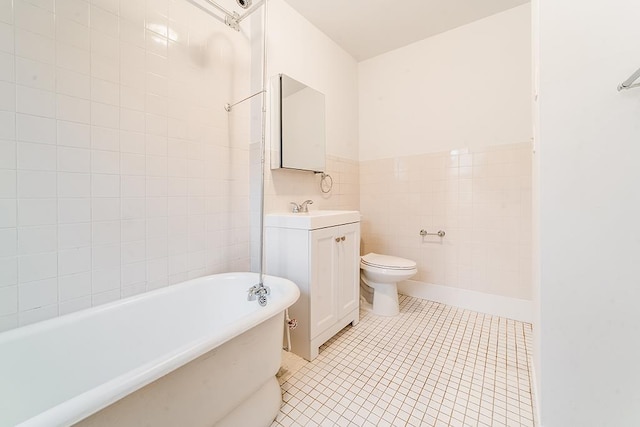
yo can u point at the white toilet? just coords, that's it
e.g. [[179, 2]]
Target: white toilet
[[382, 273]]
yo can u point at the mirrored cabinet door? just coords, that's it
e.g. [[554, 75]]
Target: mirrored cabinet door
[[298, 125]]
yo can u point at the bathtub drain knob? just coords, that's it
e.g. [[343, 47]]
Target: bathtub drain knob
[[293, 323]]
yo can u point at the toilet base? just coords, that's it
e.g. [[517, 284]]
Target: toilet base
[[385, 298], [366, 292]]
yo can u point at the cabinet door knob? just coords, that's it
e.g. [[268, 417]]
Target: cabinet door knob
[[338, 239], [343, 238]]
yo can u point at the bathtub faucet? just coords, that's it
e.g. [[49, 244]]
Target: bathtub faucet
[[259, 292]]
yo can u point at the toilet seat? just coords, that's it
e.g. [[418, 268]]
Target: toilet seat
[[387, 262]]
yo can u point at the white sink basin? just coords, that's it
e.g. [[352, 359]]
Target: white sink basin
[[310, 220]]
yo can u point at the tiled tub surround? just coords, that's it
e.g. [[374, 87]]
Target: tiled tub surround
[[480, 197], [432, 365], [120, 171]]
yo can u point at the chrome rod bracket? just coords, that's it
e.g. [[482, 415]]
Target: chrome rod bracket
[[228, 107], [622, 87], [232, 21], [629, 83], [250, 11]]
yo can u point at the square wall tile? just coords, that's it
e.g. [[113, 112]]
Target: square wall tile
[[36, 157], [7, 154], [105, 185], [7, 125], [34, 240], [8, 300], [35, 74], [72, 83], [74, 286], [36, 184], [8, 181], [31, 128], [105, 232], [8, 213], [7, 67], [33, 212], [37, 314], [74, 160], [74, 185], [37, 267], [73, 109], [75, 235], [105, 139], [8, 242], [7, 96], [73, 261], [73, 305], [8, 271], [34, 101], [34, 19], [38, 294], [74, 210], [104, 18], [72, 33], [73, 58], [6, 11], [70, 134], [75, 10], [105, 297]]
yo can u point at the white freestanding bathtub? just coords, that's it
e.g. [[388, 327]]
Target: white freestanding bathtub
[[193, 354]]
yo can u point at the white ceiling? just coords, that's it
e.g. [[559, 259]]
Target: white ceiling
[[366, 28]]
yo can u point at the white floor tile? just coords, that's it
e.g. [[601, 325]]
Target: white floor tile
[[432, 365]]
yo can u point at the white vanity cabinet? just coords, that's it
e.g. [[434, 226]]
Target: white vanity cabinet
[[322, 257]]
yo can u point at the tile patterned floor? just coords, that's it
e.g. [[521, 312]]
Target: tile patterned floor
[[433, 365]]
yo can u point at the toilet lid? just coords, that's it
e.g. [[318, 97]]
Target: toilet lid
[[388, 262]]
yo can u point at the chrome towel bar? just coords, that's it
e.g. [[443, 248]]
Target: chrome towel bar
[[424, 232]]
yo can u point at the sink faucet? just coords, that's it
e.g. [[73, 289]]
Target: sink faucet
[[301, 208]]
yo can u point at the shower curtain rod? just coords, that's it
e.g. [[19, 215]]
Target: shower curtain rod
[[220, 8], [232, 19], [628, 84], [228, 106]]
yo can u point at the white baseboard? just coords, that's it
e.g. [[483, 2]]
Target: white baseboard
[[497, 305]]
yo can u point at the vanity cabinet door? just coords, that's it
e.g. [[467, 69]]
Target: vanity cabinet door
[[324, 277], [349, 269]]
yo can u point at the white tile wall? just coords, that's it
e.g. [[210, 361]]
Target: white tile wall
[[480, 198], [113, 140]]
